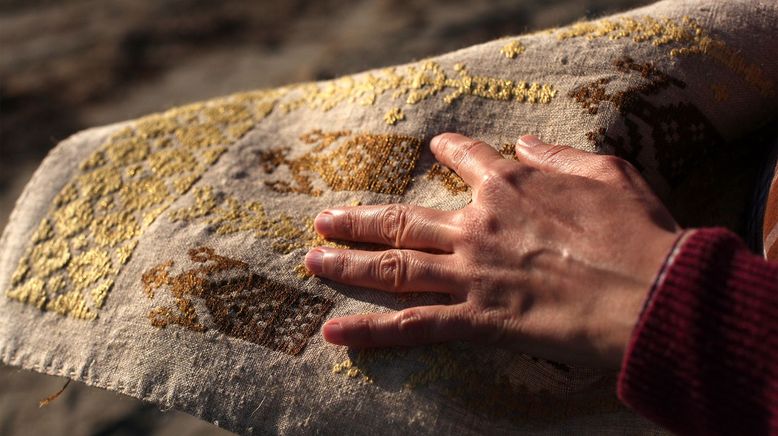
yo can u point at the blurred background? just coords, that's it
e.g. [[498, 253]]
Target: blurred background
[[66, 65]]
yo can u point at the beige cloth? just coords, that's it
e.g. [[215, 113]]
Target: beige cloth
[[160, 258]]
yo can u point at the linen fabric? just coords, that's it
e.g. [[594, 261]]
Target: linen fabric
[[161, 257]]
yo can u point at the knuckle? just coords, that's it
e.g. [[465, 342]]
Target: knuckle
[[392, 224], [494, 181], [554, 154], [610, 161], [614, 164], [412, 326], [366, 328], [475, 229], [348, 222], [498, 333], [490, 325], [613, 168], [505, 175], [460, 154], [340, 265], [391, 269]]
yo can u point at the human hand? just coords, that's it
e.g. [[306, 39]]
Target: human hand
[[554, 255]]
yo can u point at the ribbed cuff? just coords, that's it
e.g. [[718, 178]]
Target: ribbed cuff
[[705, 342]]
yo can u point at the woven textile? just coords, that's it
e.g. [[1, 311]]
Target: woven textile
[[161, 257]]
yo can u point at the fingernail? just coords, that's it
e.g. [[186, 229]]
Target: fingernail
[[436, 140], [324, 223], [314, 261], [333, 332], [530, 141]]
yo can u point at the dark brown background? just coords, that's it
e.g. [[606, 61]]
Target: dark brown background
[[66, 65]]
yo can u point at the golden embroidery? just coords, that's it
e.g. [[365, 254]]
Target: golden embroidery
[[684, 37], [512, 49], [123, 186], [88, 267], [71, 303], [416, 83], [48, 256], [94, 223], [394, 115], [30, 292], [239, 303], [346, 162], [302, 272], [348, 368], [230, 215], [451, 180], [72, 218], [100, 292]]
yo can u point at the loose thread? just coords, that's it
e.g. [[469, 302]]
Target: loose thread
[[45, 402]]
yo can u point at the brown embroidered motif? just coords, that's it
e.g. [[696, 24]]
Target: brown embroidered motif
[[681, 134], [346, 162], [236, 302]]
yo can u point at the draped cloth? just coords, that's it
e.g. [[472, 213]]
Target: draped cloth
[[161, 257]]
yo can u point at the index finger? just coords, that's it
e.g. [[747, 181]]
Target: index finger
[[468, 157]]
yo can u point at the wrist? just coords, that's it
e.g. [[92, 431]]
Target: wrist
[[664, 253]]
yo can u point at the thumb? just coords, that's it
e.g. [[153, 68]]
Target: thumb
[[553, 157]]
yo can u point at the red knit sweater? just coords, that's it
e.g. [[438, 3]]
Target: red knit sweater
[[703, 358]]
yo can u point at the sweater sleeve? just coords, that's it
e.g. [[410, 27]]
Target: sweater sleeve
[[703, 358]]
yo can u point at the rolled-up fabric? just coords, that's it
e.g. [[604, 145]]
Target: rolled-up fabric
[[162, 257]]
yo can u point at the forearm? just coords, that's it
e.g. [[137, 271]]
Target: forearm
[[703, 356]]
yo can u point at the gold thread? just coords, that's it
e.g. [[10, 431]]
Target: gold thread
[[684, 37], [96, 219], [350, 370], [233, 216], [512, 49], [30, 292], [302, 272], [132, 178], [394, 115], [72, 304], [100, 292], [451, 180], [416, 83], [48, 256]]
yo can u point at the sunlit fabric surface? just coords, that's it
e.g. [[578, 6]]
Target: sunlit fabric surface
[[161, 257]]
